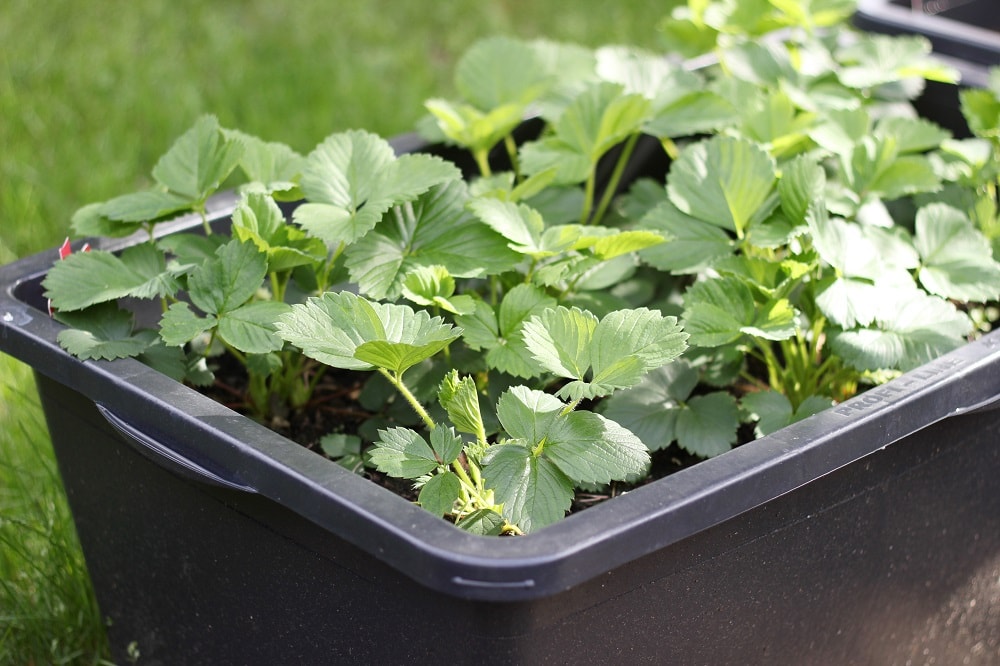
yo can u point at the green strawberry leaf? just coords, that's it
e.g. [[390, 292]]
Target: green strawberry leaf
[[191, 249], [908, 174], [179, 325], [801, 189], [708, 426], [398, 357], [90, 221], [646, 73], [981, 109], [590, 448], [614, 352], [484, 522], [102, 332], [501, 333], [199, 160], [403, 453], [695, 113], [912, 135], [560, 339], [598, 119], [251, 329], [471, 128], [873, 60], [523, 227], [534, 492], [501, 70], [86, 278], [691, 244], [446, 444], [230, 279], [146, 206], [337, 445], [607, 243], [346, 331], [528, 415], [344, 449], [434, 286], [460, 398], [440, 493], [650, 408], [912, 328], [258, 213], [353, 178], [773, 411], [586, 447], [724, 181], [850, 302], [957, 260], [258, 219], [436, 229], [274, 165], [722, 310], [660, 410]]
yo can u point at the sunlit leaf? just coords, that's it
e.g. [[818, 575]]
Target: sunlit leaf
[[460, 398], [602, 355], [353, 178], [436, 229], [910, 329], [346, 331], [723, 181], [691, 244], [957, 260]]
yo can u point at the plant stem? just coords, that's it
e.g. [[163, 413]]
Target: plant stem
[[323, 280], [588, 195], [278, 286], [482, 158], [670, 148], [773, 366], [612, 186], [397, 381], [204, 218], [570, 407], [474, 488], [511, 146]]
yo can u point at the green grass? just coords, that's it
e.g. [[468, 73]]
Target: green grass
[[47, 611], [91, 93]]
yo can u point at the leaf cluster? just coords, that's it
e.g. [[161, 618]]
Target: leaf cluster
[[536, 320]]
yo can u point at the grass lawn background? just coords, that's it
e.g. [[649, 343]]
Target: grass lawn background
[[91, 93]]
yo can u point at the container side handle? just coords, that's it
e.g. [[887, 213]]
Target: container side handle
[[166, 457]]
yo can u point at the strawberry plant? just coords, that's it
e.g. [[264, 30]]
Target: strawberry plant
[[537, 319]]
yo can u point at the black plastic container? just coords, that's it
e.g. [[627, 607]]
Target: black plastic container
[[869, 533], [968, 30]]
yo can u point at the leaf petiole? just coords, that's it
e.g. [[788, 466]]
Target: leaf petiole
[[397, 381], [611, 186]]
